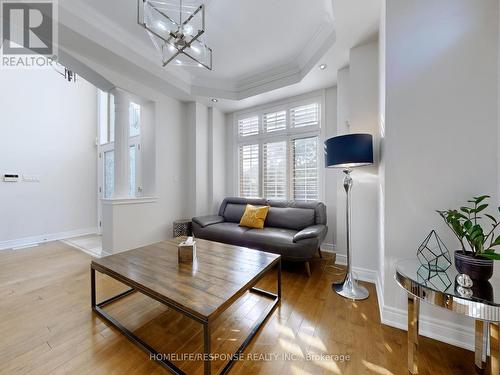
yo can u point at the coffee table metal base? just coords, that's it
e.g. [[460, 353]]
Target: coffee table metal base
[[98, 309]]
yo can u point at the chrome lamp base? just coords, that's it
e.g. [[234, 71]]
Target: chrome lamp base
[[349, 288]]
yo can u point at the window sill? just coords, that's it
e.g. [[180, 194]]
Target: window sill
[[127, 201]]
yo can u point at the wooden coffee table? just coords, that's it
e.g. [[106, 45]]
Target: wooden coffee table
[[221, 274]]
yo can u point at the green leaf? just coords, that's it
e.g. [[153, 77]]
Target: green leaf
[[467, 210], [493, 256], [481, 198], [492, 218], [496, 242], [468, 225], [480, 208]]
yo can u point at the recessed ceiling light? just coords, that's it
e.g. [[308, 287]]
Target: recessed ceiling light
[[214, 100], [323, 66]]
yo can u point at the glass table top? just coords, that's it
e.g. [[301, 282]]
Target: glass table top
[[411, 274]]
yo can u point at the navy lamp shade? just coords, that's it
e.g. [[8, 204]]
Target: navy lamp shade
[[349, 151]]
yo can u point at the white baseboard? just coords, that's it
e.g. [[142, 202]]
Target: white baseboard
[[441, 330], [34, 240]]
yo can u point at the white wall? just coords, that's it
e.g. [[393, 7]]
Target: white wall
[[218, 158], [363, 118], [441, 133], [207, 158], [48, 130], [358, 110], [331, 175]]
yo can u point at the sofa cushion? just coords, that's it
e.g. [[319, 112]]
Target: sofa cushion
[[233, 208], [254, 216], [222, 232], [290, 217]]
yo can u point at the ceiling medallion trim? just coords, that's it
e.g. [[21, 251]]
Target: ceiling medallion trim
[[175, 38]]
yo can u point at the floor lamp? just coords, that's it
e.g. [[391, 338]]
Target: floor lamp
[[348, 152]]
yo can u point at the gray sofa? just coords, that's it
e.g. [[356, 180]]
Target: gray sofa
[[295, 230]]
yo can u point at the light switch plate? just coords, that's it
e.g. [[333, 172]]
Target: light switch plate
[[11, 177]]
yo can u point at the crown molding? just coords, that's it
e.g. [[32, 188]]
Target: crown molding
[[89, 23]]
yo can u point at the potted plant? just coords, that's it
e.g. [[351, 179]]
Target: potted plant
[[477, 254]]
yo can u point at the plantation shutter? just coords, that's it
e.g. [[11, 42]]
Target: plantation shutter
[[248, 126], [305, 115], [249, 170], [274, 121], [305, 173], [275, 179]]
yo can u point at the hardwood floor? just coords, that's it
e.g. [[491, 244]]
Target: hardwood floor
[[47, 326]]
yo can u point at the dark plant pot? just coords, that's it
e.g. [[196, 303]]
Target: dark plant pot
[[476, 268]]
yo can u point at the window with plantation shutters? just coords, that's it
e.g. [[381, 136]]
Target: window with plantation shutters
[[248, 126], [305, 179], [277, 150], [249, 170], [305, 115], [274, 121], [275, 167]]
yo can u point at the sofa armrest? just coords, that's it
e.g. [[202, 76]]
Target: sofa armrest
[[314, 231], [204, 221]]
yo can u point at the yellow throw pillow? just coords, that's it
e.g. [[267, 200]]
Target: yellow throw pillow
[[254, 216]]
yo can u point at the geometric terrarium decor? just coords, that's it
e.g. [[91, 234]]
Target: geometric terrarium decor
[[435, 279], [433, 254], [176, 28]]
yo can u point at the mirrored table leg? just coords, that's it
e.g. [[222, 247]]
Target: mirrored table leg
[[413, 316], [494, 348], [479, 345]]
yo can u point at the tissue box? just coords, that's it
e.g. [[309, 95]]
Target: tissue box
[[187, 252]]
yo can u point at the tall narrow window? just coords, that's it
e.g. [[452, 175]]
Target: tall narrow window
[[132, 171], [305, 115], [275, 179], [248, 126], [249, 170], [134, 119], [305, 169], [109, 173]]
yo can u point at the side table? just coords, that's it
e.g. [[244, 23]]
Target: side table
[[182, 227], [481, 302]]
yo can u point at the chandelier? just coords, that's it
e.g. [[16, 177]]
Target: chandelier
[[176, 29]]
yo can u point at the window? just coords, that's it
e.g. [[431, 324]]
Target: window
[[134, 119], [275, 184], [305, 169], [305, 115], [248, 126], [106, 119], [109, 173], [278, 153], [274, 121], [249, 167]]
